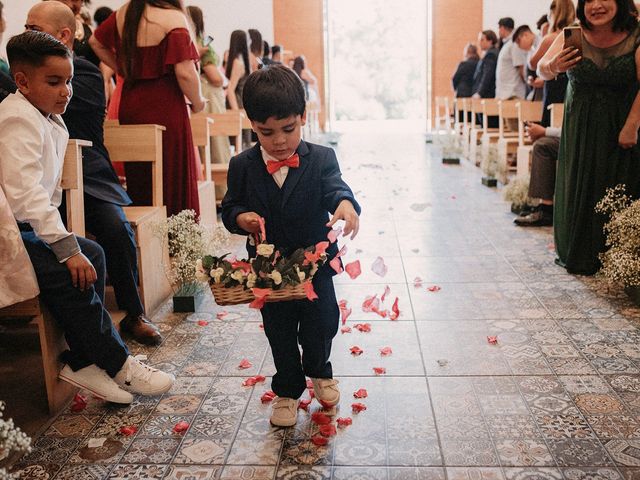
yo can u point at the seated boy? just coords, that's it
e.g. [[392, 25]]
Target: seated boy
[[70, 270], [293, 185]]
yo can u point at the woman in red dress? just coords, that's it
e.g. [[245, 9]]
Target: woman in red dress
[[148, 42]]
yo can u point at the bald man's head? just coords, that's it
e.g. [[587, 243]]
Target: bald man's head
[[54, 18]]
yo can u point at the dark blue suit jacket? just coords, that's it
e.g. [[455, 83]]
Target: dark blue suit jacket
[[296, 215], [85, 120], [484, 79]]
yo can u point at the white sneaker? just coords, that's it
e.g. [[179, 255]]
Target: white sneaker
[[96, 380], [326, 391], [284, 412], [136, 377]]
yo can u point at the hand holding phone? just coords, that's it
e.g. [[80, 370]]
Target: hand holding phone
[[573, 38]]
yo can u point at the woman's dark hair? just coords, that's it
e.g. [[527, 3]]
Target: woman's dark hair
[[256, 42], [541, 21], [1, 7], [266, 51], [101, 15], [238, 47], [195, 13], [299, 65], [626, 19], [32, 48], [130, 29], [273, 91], [491, 36]]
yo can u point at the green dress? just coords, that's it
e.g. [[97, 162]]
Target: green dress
[[602, 88]]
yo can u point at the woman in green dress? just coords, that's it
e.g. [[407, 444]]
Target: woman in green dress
[[598, 148]]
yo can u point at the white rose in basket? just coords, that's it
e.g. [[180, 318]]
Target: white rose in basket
[[201, 275], [265, 250], [276, 277], [216, 274], [251, 280], [238, 276], [301, 275]]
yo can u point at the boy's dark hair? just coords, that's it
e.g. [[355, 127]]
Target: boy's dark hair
[[32, 48], [273, 91], [276, 49], [519, 31], [626, 19], [507, 22], [266, 52], [541, 21]]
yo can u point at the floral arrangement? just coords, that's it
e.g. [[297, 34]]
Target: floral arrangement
[[188, 241], [12, 439], [621, 262], [517, 191], [451, 144], [269, 272], [489, 163]]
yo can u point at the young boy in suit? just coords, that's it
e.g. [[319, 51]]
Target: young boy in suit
[[70, 270], [293, 185]]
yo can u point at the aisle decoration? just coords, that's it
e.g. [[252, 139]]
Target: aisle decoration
[[12, 441]]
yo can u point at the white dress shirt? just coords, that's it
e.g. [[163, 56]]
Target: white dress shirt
[[509, 81], [32, 149], [281, 175]]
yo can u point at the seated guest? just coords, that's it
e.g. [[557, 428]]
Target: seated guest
[[276, 54], [103, 194], [69, 269], [463, 78], [82, 33], [546, 144], [484, 78]]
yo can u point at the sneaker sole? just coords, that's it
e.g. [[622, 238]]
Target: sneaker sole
[[284, 425], [94, 393], [152, 393]]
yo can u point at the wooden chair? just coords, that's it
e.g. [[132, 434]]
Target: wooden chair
[[143, 143], [313, 118], [443, 114], [557, 114], [52, 342], [527, 112], [468, 123], [488, 107], [201, 132], [505, 138]]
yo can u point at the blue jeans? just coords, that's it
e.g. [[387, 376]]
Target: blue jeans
[[87, 326]]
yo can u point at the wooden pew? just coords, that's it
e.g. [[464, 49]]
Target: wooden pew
[[143, 143], [488, 107], [507, 114], [52, 342], [201, 132], [527, 112]]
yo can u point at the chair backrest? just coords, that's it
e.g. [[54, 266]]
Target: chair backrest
[[557, 114], [246, 123], [228, 124], [72, 185], [201, 131], [489, 108], [506, 111], [527, 112], [138, 143]]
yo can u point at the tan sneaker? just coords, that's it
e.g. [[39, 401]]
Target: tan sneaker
[[326, 391], [284, 412]]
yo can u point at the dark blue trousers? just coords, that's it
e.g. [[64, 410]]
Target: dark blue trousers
[[87, 326], [312, 325], [108, 223]]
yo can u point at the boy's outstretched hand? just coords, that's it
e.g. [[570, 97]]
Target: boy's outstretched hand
[[83, 275], [249, 222], [346, 212]]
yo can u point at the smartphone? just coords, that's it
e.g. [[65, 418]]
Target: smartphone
[[573, 38], [207, 40]]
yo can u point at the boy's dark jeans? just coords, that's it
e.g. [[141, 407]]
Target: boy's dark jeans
[[311, 324], [87, 326]]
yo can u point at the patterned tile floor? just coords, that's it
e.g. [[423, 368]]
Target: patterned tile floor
[[558, 397]]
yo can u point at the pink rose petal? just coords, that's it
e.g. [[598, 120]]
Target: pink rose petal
[[363, 327], [353, 269], [395, 311], [387, 291], [320, 418], [203, 323], [181, 427], [386, 351], [267, 396], [222, 314], [327, 430], [379, 370], [319, 440], [336, 264], [371, 304], [332, 236], [379, 268], [417, 282], [345, 330], [309, 291], [244, 364], [358, 407], [128, 430], [362, 393], [251, 381], [344, 422], [304, 404], [356, 351], [493, 340], [434, 288]]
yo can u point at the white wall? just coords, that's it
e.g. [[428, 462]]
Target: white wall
[[523, 12], [221, 17]]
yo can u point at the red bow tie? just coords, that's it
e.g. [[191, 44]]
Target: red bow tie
[[291, 162]]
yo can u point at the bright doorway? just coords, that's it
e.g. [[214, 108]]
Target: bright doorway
[[377, 63]]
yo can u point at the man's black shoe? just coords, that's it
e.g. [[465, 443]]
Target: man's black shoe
[[141, 329], [539, 218]]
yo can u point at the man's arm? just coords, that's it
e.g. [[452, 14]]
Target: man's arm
[[20, 176]]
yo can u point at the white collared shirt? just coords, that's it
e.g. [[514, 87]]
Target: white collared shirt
[[281, 175], [509, 81]]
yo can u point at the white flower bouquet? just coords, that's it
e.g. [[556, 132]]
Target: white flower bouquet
[[12, 440], [269, 277]]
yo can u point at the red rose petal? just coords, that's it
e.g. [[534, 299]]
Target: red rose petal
[[395, 311], [363, 327], [79, 403], [327, 430], [128, 430], [362, 393], [342, 252], [181, 427], [345, 313], [386, 351], [342, 303], [353, 269], [261, 326], [244, 363], [309, 291], [319, 440], [379, 370], [222, 314], [379, 268], [321, 247], [336, 264], [434, 288], [251, 381], [356, 351], [203, 323], [371, 303], [493, 340], [304, 404], [344, 422], [387, 291], [267, 396], [312, 394], [309, 383], [332, 236], [358, 407], [382, 313], [345, 330], [320, 418]]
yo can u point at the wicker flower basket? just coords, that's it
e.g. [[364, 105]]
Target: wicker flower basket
[[238, 294]]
